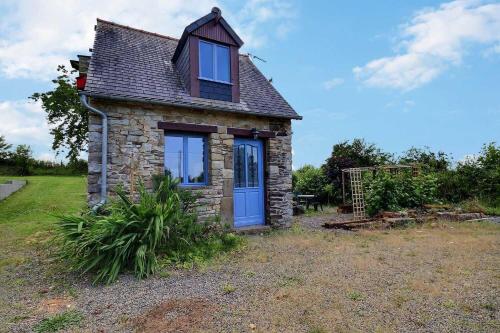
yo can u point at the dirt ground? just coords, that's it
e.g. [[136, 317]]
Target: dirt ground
[[439, 277]]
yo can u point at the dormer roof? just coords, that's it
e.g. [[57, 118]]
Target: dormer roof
[[214, 16]]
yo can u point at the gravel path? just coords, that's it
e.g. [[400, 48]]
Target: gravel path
[[424, 279]]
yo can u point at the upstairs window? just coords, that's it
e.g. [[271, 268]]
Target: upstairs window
[[185, 158], [214, 62]]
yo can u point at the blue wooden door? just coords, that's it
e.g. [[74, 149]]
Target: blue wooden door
[[248, 182]]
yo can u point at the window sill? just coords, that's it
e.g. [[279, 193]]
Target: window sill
[[216, 81], [194, 186]]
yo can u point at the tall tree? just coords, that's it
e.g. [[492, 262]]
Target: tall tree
[[66, 116], [4, 148], [357, 153], [427, 159], [23, 157]]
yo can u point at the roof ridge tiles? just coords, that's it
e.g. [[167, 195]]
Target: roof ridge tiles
[[137, 29], [148, 32]]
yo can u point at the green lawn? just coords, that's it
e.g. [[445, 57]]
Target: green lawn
[[33, 210]]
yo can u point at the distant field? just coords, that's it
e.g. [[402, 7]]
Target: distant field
[[33, 209]]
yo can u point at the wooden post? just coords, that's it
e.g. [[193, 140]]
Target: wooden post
[[343, 188]]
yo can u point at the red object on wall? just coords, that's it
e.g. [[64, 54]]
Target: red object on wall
[[80, 82]]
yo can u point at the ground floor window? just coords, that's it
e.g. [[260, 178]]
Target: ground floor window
[[186, 158]]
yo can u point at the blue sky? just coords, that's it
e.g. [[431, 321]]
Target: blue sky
[[397, 73]]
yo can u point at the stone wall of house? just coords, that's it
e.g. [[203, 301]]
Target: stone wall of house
[[136, 151]]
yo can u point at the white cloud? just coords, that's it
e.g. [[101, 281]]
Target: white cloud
[[36, 36], [23, 122], [255, 16], [48, 156], [330, 84], [433, 40]]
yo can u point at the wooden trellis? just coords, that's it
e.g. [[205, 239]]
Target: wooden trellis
[[356, 182], [358, 199]]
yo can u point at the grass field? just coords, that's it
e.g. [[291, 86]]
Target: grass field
[[31, 211]]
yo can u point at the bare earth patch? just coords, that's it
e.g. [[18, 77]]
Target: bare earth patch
[[55, 305], [178, 315], [440, 277]]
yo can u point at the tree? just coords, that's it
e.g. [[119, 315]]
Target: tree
[[309, 180], [345, 154], [67, 117], [474, 178], [489, 184], [23, 158], [4, 148], [429, 161]]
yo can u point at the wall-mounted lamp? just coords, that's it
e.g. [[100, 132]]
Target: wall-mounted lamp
[[255, 133]]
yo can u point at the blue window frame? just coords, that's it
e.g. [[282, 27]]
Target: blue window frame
[[186, 158], [215, 62]]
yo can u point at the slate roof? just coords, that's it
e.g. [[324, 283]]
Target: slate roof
[[135, 65]]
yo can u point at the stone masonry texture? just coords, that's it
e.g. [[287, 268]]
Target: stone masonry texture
[[136, 151]]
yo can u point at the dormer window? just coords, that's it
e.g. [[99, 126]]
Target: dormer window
[[214, 62]]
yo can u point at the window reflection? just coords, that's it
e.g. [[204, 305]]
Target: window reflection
[[206, 60], [246, 166], [185, 158], [239, 166], [195, 160], [174, 157], [222, 63], [252, 165]]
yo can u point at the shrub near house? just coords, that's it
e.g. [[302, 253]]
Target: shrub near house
[[394, 192], [133, 236]]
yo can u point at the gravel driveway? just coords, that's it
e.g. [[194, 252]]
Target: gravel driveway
[[440, 277]]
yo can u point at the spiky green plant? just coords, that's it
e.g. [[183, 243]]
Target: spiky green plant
[[131, 234], [127, 236]]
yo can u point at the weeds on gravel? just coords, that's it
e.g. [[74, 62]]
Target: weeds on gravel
[[449, 304], [59, 322], [489, 306], [355, 295], [228, 288], [132, 235], [287, 281]]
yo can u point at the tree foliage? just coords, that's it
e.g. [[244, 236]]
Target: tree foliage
[[427, 159], [66, 116], [309, 180], [23, 159], [357, 153], [4, 148], [473, 178], [392, 192]]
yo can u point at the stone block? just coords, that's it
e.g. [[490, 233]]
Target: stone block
[[227, 187], [217, 165], [227, 210], [228, 161], [227, 173], [222, 129]]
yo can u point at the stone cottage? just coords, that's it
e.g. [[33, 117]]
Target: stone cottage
[[194, 108]]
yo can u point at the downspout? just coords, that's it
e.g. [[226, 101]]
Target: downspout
[[104, 149]]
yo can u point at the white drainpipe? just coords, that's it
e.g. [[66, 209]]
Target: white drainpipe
[[104, 149]]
